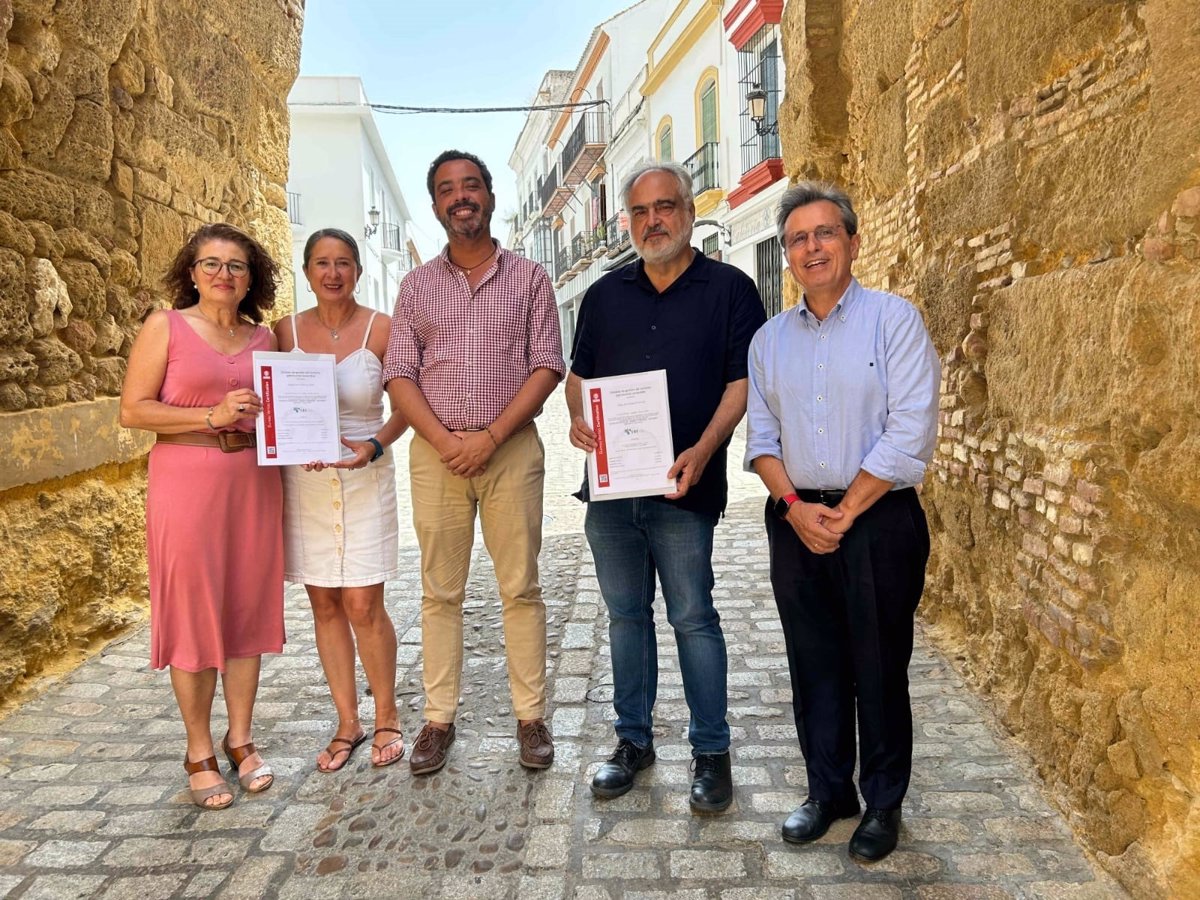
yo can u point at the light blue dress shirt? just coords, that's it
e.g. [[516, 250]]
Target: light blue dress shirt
[[856, 391]]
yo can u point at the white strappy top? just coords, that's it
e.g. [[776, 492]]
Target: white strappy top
[[360, 389]]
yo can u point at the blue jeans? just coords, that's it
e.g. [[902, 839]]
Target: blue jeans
[[631, 540]]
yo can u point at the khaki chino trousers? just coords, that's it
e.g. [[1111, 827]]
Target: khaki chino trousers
[[508, 498]]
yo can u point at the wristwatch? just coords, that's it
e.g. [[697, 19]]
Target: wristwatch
[[784, 503]]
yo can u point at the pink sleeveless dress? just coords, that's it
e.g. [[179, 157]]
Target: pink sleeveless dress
[[214, 524]]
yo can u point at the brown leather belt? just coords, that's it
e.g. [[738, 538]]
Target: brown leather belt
[[226, 441]]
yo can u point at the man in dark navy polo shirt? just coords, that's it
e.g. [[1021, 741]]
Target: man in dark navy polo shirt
[[674, 309]]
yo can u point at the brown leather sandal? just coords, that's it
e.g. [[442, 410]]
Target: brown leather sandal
[[199, 795], [399, 739], [237, 756], [351, 746]]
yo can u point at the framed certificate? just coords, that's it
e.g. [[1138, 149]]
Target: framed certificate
[[631, 418], [299, 421]]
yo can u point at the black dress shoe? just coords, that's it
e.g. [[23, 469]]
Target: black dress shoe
[[615, 777], [876, 835], [813, 819], [712, 783]]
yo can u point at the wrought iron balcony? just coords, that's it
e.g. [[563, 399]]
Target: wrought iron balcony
[[552, 193], [616, 238], [293, 203], [585, 145], [581, 249], [702, 166], [395, 250], [562, 264]]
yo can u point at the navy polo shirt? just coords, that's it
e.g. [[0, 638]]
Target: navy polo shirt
[[698, 329]]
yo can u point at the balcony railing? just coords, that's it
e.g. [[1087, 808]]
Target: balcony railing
[[552, 193], [391, 236], [561, 263], [293, 201], [702, 166], [581, 248], [616, 238], [585, 145]]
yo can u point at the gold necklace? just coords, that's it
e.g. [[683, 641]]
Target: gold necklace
[[468, 271], [333, 332]]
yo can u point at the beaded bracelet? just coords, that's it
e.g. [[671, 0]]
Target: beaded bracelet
[[495, 443]]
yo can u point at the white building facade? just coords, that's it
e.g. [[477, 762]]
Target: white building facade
[[340, 177], [673, 76]]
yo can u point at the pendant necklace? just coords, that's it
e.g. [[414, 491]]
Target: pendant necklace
[[232, 329], [468, 271], [333, 332]]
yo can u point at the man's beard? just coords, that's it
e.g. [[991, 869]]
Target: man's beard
[[664, 253], [471, 228]]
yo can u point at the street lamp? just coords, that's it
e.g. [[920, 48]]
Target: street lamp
[[373, 218], [757, 99]]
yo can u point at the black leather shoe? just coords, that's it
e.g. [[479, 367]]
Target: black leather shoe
[[712, 783], [876, 835], [615, 777], [813, 819]]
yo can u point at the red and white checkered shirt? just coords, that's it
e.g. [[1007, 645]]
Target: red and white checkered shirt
[[470, 354]]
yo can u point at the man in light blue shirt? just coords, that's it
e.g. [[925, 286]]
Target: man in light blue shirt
[[842, 413]]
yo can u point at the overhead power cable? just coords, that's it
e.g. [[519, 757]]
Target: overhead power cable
[[394, 109], [413, 110]]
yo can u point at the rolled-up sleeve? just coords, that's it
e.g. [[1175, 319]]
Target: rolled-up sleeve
[[403, 356], [763, 437], [545, 339], [902, 452]]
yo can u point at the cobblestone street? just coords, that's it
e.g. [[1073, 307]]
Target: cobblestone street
[[92, 800]]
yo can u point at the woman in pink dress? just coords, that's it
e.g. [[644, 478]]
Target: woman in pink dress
[[213, 516]]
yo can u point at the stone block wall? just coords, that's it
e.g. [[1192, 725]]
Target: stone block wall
[[124, 124], [1028, 173]]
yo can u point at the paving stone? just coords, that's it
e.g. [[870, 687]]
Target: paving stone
[[854, 892], [706, 864], [63, 887], [11, 852], [992, 865], [624, 865], [549, 846], [141, 887], [963, 892], [252, 879], [803, 863], [59, 854], [649, 832]]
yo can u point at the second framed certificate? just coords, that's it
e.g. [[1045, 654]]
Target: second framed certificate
[[631, 418]]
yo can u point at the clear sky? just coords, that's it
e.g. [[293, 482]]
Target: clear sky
[[449, 53]]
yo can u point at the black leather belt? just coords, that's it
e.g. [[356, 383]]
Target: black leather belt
[[825, 498]]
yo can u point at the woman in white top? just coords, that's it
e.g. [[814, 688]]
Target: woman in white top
[[340, 526]]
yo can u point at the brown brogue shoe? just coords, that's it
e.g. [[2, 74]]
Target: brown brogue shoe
[[537, 746], [429, 752]]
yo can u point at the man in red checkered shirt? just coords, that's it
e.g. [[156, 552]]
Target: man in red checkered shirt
[[474, 352]]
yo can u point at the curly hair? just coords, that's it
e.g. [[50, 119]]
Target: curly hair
[[264, 271]]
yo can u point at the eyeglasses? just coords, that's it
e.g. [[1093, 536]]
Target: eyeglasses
[[823, 234], [210, 265]]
